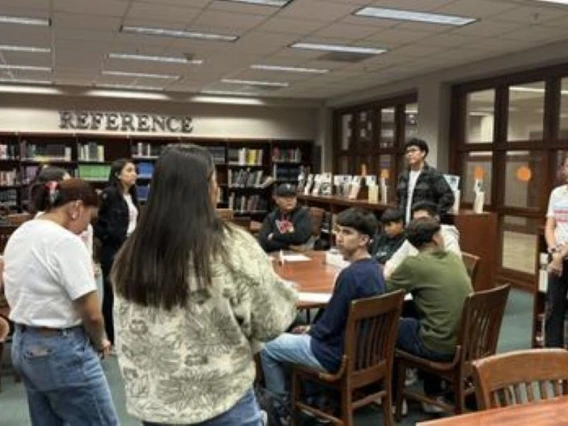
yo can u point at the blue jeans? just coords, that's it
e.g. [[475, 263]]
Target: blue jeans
[[409, 340], [64, 381], [246, 412], [287, 348]]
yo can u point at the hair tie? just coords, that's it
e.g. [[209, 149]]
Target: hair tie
[[53, 191]]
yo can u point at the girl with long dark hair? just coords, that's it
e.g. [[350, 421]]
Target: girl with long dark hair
[[193, 294]]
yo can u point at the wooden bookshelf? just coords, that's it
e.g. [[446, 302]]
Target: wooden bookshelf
[[478, 232]]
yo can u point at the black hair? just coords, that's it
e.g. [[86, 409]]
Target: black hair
[[419, 143], [363, 221], [53, 194], [114, 180], [46, 174], [428, 206], [179, 234], [420, 232], [392, 215]]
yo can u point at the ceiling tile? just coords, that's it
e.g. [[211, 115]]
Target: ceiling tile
[[157, 12], [477, 8], [291, 26], [194, 3], [84, 21], [24, 35], [99, 7], [447, 40], [229, 20], [37, 5], [487, 28], [396, 37], [347, 32], [532, 15], [252, 9], [86, 35], [418, 5], [22, 58], [319, 10], [544, 34]]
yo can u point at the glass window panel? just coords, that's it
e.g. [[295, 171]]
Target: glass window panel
[[523, 182], [558, 161], [526, 112], [480, 119], [519, 237], [386, 170], [344, 165], [346, 131], [476, 165], [411, 122], [364, 130], [563, 128], [388, 127]]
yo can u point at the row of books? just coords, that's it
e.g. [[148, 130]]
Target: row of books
[[47, 152], [145, 169], [218, 154], [247, 203], [99, 172], [9, 151], [245, 156], [246, 178], [286, 173], [145, 149], [288, 155], [142, 192], [9, 198], [91, 151], [9, 177]]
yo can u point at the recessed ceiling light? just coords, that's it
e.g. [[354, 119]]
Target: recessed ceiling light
[[555, 1], [24, 68], [276, 3], [289, 69], [409, 15], [30, 49], [227, 92], [167, 59], [141, 74], [24, 81], [126, 86], [256, 82], [178, 33], [24, 21], [339, 48]]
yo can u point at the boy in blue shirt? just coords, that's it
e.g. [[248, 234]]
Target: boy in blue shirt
[[321, 345]]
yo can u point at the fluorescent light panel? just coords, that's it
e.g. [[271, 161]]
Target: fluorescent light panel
[[227, 93], [166, 59], [256, 82], [141, 74], [24, 21], [178, 33], [24, 81], [289, 69], [24, 68], [565, 2], [126, 86], [339, 48], [30, 49], [275, 3], [409, 15]]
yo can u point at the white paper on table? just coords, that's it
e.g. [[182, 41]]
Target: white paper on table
[[304, 296], [295, 258]]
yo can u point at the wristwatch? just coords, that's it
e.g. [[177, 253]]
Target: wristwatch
[[554, 249]]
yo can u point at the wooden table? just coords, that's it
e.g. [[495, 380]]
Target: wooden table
[[553, 412]]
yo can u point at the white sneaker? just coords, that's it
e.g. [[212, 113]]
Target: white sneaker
[[264, 418], [403, 408], [434, 409], [411, 376]]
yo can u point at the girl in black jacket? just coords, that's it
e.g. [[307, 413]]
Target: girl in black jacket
[[118, 215]]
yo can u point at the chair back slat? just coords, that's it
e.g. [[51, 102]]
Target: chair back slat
[[371, 331], [471, 262], [316, 217], [481, 323], [521, 377]]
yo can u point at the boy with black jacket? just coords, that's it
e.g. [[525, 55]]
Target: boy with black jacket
[[391, 237], [288, 225]]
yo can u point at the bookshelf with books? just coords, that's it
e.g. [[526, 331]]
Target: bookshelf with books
[[10, 177]]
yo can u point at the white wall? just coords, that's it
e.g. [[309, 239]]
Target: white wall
[[40, 113]]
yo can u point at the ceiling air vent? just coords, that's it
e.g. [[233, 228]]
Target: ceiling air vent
[[344, 57]]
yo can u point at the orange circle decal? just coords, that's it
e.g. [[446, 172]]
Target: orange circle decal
[[478, 172], [524, 174]]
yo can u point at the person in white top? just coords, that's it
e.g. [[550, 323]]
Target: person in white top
[[556, 235], [450, 236], [118, 216], [59, 334]]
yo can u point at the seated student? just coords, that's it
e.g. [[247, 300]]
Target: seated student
[[439, 284], [391, 237], [321, 345], [450, 237], [288, 225]]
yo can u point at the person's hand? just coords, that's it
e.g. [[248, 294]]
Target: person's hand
[[301, 329], [555, 266], [270, 237], [104, 348]]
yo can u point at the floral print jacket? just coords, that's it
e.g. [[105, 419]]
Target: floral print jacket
[[191, 364]]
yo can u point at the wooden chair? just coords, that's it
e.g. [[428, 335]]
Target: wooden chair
[[520, 377], [370, 337], [226, 214], [477, 338], [242, 221], [471, 262], [17, 219]]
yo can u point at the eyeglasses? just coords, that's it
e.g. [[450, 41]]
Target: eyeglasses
[[411, 150]]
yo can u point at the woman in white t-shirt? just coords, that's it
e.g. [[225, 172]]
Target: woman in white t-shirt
[[556, 235], [118, 216], [50, 287]]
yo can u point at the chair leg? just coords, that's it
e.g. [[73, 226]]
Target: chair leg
[[346, 406], [459, 393], [296, 393], [401, 374], [387, 403]]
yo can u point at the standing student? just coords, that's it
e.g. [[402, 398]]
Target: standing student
[[421, 182], [59, 333], [193, 294], [556, 235], [288, 225], [117, 220]]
